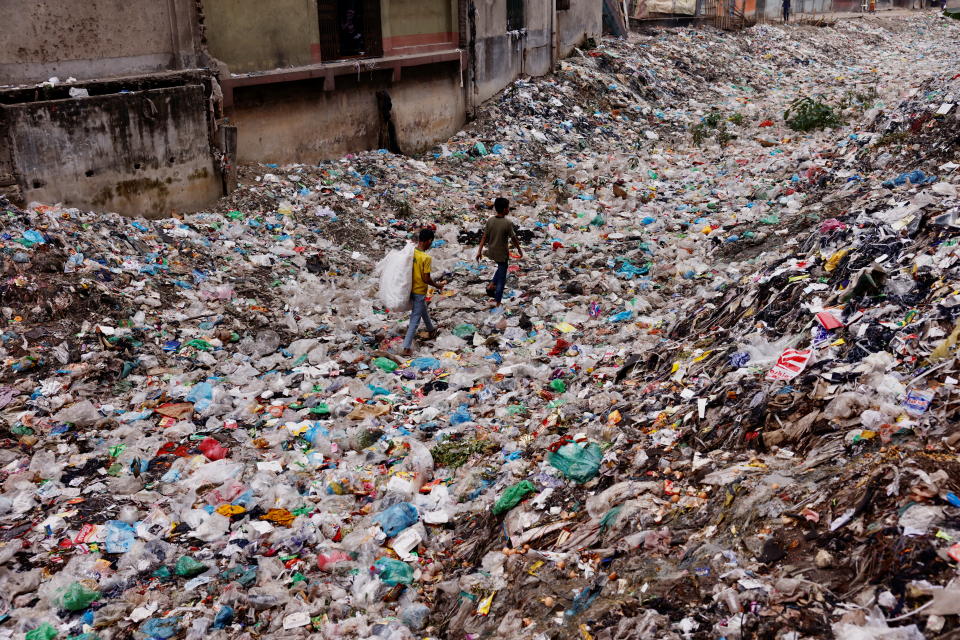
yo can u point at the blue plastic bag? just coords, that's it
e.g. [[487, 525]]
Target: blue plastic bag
[[913, 177], [161, 627], [739, 359], [119, 537], [223, 618], [460, 416], [201, 395], [628, 270], [424, 364], [395, 519], [33, 236]]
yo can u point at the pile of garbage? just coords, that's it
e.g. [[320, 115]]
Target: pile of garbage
[[719, 400]]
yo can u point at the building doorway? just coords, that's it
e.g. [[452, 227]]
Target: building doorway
[[349, 29]]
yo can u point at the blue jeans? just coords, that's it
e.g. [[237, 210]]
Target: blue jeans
[[419, 312], [499, 281]]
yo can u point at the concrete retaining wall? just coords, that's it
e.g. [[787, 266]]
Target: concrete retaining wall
[[142, 153]]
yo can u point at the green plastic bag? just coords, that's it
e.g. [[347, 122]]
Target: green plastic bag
[[43, 632], [610, 518], [464, 330], [163, 574], [77, 597], [512, 496], [394, 572], [386, 364], [577, 463], [558, 385], [188, 567]]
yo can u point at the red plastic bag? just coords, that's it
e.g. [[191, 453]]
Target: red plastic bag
[[213, 450]]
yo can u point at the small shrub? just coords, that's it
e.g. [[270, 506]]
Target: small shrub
[[714, 125], [453, 454], [712, 119], [700, 134], [807, 114]]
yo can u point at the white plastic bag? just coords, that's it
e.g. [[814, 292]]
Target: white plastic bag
[[396, 276]]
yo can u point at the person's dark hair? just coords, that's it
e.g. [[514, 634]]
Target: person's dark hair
[[426, 235], [501, 205]]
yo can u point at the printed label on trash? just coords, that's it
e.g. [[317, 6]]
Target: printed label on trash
[[821, 335], [85, 533], [790, 363], [918, 401]]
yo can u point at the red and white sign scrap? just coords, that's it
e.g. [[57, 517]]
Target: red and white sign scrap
[[790, 363]]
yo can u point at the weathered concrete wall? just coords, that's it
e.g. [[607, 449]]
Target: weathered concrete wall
[[810, 6], [141, 153], [89, 39], [415, 24], [299, 122], [503, 56], [260, 35], [8, 178], [773, 9], [583, 20]]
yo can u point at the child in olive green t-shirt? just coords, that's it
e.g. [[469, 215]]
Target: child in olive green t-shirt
[[497, 236]]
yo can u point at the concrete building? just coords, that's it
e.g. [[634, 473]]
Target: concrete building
[[725, 12], [166, 96], [132, 134]]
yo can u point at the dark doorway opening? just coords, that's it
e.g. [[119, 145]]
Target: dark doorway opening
[[515, 21], [349, 29]]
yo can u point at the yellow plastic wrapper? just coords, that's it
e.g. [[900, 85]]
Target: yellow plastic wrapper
[[484, 607], [281, 517], [835, 260]]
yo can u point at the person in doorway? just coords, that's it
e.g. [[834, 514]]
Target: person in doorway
[[422, 264], [786, 11], [497, 236], [351, 33]]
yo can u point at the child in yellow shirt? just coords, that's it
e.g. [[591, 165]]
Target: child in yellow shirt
[[422, 264]]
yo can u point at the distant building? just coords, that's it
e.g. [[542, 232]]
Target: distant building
[[168, 95]]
